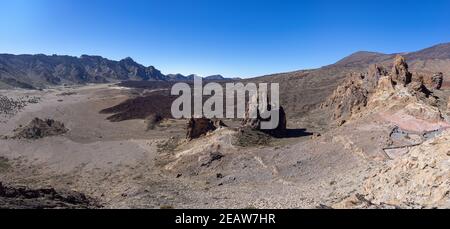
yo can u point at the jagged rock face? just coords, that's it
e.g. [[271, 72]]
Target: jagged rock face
[[419, 87], [348, 99], [376, 88], [400, 74], [39, 128], [386, 84], [431, 81], [197, 127], [373, 77]]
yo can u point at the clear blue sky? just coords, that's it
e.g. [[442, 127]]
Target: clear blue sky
[[230, 37]]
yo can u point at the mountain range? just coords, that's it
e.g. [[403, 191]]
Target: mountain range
[[40, 71]]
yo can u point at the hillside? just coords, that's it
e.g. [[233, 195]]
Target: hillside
[[302, 91]]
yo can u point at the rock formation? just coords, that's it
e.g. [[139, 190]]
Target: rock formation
[[430, 80], [39, 128], [255, 123], [348, 98], [386, 84], [373, 77], [437, 80], [197, 127], [377, 87], [400, 74], [419, 87]]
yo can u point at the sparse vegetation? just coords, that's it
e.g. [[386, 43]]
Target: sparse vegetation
[[4, 165], [166, 207], [152, 121], [248, 138], [169, 145]]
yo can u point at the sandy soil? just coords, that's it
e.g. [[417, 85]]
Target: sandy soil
[[123, 165]]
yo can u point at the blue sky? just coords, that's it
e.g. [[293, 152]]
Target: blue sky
[[236, 38]]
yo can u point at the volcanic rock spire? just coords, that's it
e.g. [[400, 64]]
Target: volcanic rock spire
[[400, 73]]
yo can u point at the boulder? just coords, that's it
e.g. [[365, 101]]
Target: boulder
[[255, 123], [400, 74], [197, 127]]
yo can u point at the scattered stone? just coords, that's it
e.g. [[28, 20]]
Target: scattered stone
[[10, 107], [25, 198], [39, 128], [67, 94], [216, 156], [248, 137], [419, 179], [316, 135]]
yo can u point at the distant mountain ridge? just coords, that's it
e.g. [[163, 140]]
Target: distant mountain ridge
[[40, 71], [191, 77], [435, 58]]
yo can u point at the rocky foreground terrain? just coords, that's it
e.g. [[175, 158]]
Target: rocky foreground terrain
[[375, 136]]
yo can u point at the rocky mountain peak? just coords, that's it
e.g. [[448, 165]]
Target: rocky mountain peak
[[128, 60]]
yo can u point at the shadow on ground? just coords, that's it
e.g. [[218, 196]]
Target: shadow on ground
[[291, 133]]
